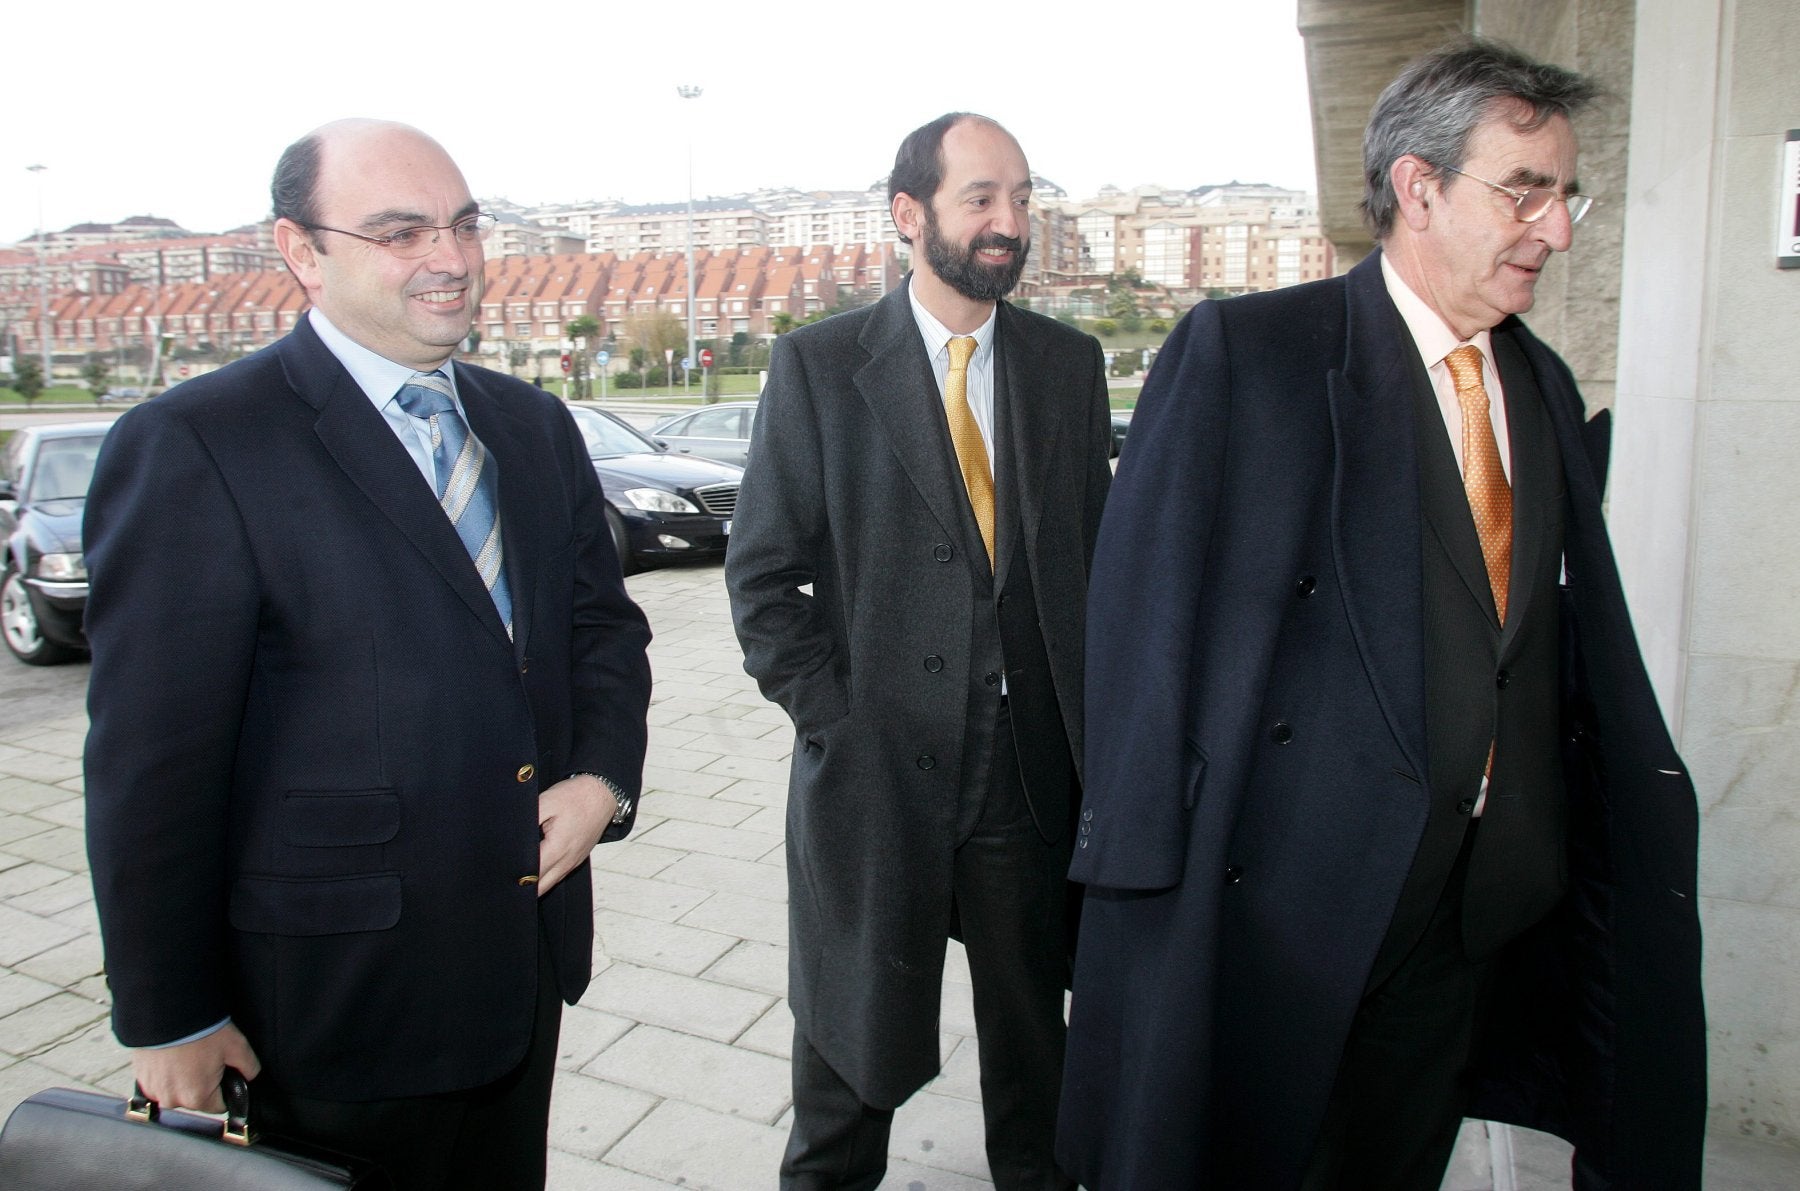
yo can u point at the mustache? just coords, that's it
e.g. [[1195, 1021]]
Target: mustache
[[996, 240]]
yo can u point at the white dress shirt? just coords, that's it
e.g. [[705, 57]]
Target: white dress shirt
[[1435, 340], [381, 379], [981, 365]]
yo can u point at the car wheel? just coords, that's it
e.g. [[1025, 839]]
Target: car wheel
[[19, 625], [621, 544]]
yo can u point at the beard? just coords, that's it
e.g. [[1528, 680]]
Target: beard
[[963, 270]]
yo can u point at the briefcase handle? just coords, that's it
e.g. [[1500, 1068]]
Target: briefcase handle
[[234, 1087]]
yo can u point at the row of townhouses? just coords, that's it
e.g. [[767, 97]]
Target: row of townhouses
[[527, 302]]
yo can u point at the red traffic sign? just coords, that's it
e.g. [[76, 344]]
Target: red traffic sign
[[706, 357], [184, 370], [565, 361]]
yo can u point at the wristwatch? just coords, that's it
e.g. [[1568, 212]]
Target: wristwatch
[[624, 800]]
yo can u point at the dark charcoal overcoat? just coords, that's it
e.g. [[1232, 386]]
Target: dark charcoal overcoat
[[1262, 551], [852, 489]]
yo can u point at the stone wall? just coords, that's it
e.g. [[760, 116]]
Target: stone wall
[[1705, 497]]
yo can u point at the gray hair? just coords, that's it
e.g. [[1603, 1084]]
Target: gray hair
[[1437, 101]]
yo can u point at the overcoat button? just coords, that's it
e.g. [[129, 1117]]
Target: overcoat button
[[1305, 586], [1087, 829], [941, 552], [933, 663], [1502, 679], [1281, 733], [991, 678], [1233, 875], [927, 762], [527, 772], [1084, 842], [1087, 816], [1466, 806]]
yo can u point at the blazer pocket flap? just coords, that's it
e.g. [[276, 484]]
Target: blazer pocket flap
[[315, 905], [339, 818]]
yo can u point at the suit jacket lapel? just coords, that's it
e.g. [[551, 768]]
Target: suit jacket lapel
[[1029, 430], [1376, 505], [510, 449], [1443, 495], [359, 440], [1536, 472], [902, 394]]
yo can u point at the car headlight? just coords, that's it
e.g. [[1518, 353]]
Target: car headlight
[[62, 567], [655, 500]]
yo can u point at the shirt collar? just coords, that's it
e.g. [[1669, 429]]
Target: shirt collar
[[938, 336], [1431, 335], [377, 376]]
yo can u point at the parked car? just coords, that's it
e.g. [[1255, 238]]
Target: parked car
[[1120, 424], [44, 477], [660, 505], [719, 432]]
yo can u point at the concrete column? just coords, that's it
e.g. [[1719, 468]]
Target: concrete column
[[1705, 502]]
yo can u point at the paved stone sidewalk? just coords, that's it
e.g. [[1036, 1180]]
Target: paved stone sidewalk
[[673, 1069]]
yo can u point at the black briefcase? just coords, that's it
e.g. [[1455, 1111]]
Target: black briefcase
[[64, 1140]]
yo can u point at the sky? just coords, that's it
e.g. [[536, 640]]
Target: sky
[[180, 110]]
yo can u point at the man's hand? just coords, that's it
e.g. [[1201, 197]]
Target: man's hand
[[572, 816], [187, 1076]]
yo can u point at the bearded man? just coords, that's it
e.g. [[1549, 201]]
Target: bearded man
[[908, 577]]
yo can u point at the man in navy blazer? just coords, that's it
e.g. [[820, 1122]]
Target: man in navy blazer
[[340, 793], [1382, 834]]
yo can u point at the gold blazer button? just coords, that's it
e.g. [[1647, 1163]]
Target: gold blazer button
[[527, 772], [531, 880]]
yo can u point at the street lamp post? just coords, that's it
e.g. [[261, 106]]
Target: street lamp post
[[43, 277], [689, 91]]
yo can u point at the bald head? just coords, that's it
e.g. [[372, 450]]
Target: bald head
[[294, 191], [345, 194]]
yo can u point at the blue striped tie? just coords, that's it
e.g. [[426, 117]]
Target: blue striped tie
[[466, 486]]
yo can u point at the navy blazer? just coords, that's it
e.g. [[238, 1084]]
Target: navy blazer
[[315, 755]]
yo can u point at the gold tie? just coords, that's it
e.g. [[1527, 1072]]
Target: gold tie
[[1490, 497], [971, 448]]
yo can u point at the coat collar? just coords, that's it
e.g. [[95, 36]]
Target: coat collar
[[359, 440], [1375, 503], [897, 384]]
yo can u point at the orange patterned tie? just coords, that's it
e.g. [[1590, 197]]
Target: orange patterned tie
[[971, 448], [1490, 496]]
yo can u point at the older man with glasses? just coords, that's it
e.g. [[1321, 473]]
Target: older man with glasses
[[1383, 827], [367, 690]]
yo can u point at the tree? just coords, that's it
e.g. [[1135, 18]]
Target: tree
[[96, 374], [517, 356], [1121, 295], [783, 322], [583, 329], [1106, 327], [653, 334], [28, 377]]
